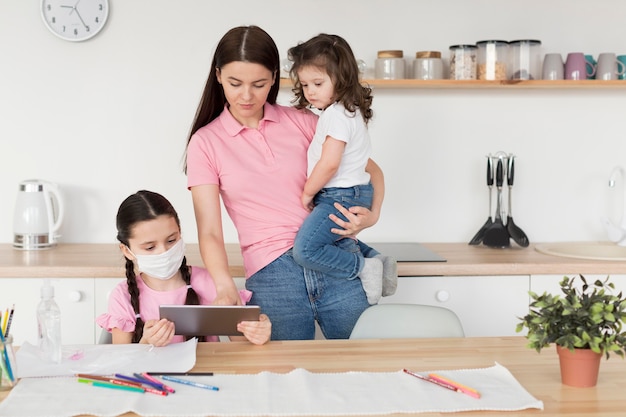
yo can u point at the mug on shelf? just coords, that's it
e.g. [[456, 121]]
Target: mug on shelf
[[593, 63], [609, 68], [553, 67], [622, 59], [577, 67]]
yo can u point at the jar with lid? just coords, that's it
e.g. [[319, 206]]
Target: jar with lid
[[492, 60], [390, 65], [427, 65], [525, 58], [463, 62]]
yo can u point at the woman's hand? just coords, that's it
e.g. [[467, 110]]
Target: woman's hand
[[158, 332], [227, 294], [359, 218], [257, 332]]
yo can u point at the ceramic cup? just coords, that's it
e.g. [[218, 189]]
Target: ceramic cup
[[622, 59], [577, 67], [593, 62], [609, 68], [553, 67]]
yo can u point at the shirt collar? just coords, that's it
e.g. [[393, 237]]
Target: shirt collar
[[233, 127]]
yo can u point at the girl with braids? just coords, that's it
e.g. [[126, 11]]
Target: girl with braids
[[326, 76], [157, 273]]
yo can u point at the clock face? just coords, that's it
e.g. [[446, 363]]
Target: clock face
[[75, 20]]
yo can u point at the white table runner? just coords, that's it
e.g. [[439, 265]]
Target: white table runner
[[297, 393]]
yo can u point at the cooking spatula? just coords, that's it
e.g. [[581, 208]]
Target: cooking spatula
[[516, 233], [479, 236], [496, 235]]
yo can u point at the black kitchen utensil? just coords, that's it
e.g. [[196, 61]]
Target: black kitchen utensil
[[479, 236], [497, 236], [514, 230]]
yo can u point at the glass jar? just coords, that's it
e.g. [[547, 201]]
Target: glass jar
[[390, 65], [427, 65], [492, 60], [463, 62], [8, 371], [525, 59]]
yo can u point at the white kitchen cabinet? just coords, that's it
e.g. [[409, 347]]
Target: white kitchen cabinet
[[486, 305], [75, 297], [550, 283]]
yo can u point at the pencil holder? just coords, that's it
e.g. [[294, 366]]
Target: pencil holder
[[8, 370]]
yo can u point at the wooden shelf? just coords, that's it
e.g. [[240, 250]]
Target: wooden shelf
[[475, 84]]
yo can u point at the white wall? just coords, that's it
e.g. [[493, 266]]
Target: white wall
[[109, 116]]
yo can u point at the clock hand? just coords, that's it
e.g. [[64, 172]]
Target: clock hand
[[80, 17]]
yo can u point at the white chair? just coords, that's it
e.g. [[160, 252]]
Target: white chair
[[105, 337], [388, 321]]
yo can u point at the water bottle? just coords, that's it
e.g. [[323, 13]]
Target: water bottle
[[49, 325]]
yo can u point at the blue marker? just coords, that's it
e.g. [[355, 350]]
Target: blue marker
[[187, 382]]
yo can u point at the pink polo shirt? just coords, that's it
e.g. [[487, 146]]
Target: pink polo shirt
[[261, 174]]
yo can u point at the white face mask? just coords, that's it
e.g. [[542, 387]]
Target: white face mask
[[164, 265]]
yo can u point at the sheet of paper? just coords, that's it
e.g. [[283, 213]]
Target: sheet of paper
[[107, 359]]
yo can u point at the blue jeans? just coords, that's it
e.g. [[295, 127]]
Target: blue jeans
[[319, 249], [294, 298]]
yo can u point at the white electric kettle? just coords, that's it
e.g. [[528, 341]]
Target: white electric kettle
[[617, 232], [38, 215]]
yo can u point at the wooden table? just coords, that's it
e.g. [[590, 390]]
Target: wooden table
[[538, 373]]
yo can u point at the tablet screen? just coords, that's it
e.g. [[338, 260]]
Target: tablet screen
[[205, 320]]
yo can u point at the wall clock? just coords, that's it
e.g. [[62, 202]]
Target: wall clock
[[75, 20]]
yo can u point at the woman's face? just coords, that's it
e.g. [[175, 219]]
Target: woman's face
[[246, 87]]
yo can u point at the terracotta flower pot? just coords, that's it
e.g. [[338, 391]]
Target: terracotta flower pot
[[579, 368]]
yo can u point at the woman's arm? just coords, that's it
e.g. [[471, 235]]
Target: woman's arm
[[359, 217], [207, 209]]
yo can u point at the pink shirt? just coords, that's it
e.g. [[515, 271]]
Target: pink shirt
[[121, 314], [261, 174]]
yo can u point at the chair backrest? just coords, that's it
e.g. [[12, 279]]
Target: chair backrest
[[387, 321], [105, 337]]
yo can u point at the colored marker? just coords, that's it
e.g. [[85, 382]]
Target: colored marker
[[188, 382], [111, 385], [153, 379], [462, 388]]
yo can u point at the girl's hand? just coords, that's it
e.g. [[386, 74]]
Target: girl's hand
[[307, 202], [158, 332], [359, 218], [257, 332]]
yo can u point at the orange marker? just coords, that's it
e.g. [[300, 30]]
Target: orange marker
[[464, 389]]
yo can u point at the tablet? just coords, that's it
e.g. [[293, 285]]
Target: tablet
[[208, 320]]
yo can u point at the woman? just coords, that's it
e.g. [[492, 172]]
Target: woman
[[251, 152]]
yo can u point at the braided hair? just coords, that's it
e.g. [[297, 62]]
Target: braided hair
[[141, 206]]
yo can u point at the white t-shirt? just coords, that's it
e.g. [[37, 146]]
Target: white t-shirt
[[348, 127]]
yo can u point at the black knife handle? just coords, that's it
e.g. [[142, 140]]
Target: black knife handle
[[489, 171], [499, 173], [511, 171]]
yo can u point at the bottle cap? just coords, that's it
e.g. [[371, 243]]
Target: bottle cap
[[47, 291]]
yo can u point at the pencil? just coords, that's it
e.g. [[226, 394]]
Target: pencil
[[5, 316], [9, 320], [181, 373]]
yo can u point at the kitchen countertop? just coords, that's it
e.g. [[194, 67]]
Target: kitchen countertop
[[73, 260]]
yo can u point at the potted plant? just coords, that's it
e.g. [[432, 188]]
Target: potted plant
[[586, 321]]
